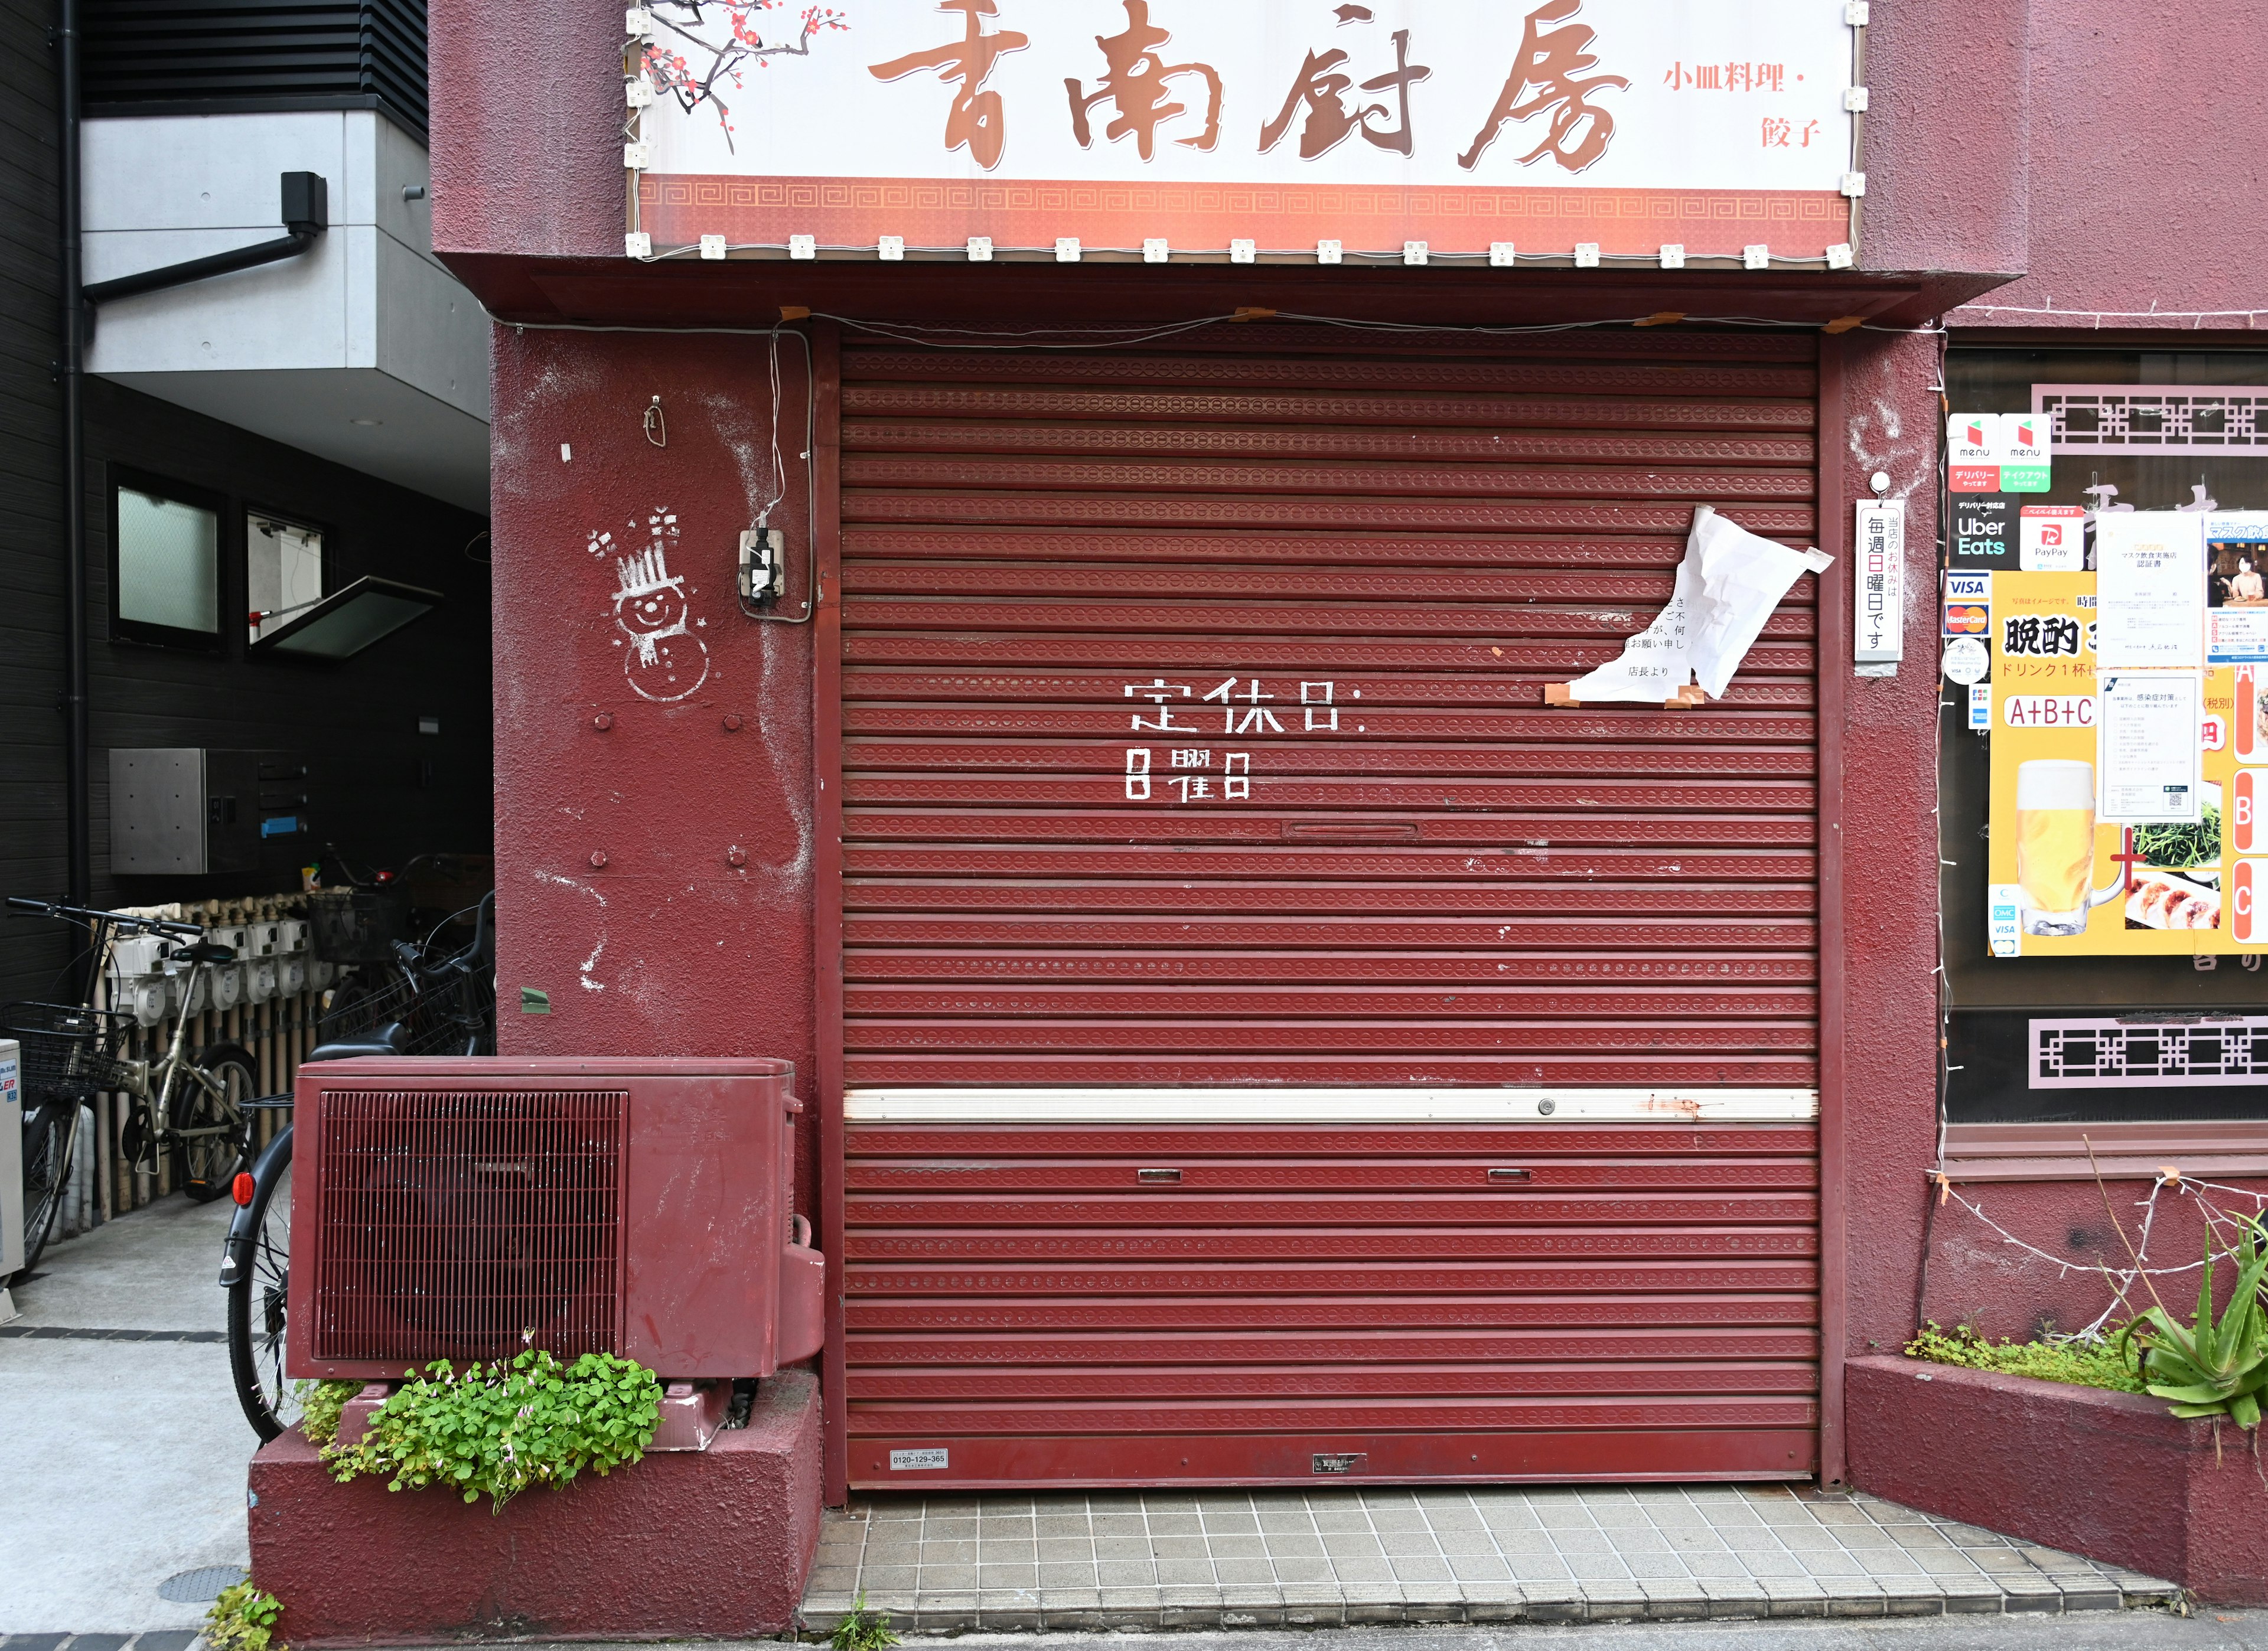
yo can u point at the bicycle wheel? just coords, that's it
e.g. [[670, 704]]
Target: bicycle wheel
[[48, 1129], [259, 1297], [205, 1163]]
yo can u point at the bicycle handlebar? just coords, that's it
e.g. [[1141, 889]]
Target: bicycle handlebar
[[95, 914]]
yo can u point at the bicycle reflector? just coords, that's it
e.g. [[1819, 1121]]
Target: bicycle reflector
[[241, 1188]]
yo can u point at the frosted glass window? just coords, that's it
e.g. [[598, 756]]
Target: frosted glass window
[[282, 571], [168, 563]]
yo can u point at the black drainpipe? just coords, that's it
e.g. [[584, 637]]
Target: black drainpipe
[[77, 807]]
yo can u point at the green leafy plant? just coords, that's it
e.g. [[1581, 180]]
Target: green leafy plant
[[244, 1618], [320, 1406], [2176, 847], [2082, 1363], [2210, 1367], [863, 1630], [494, 1430]]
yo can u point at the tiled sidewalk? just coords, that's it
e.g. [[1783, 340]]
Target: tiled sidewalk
[[1487, 1554]]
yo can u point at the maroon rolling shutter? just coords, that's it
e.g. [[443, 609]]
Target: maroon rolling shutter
[[1194, 735]]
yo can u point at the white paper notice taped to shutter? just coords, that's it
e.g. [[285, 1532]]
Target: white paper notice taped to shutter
[[1727, 586]]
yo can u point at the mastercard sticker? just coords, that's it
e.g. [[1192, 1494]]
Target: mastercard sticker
[[1967, 618]]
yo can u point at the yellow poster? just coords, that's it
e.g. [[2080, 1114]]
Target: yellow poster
[[2121, 813]]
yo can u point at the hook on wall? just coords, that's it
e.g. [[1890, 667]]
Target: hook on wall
[[657, 427]]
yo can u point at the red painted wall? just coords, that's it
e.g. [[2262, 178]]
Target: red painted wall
[[1979, 1278], [1890, 852], [2147, 164], [667, 947]]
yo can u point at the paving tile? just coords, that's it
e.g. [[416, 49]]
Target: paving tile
[[1126, 1573], [1291, 1545], [1176, 1548], [1353, 1547], [997, 1576], [1406, 1544], [1236, 1522], [952, 1529], [1121, 1524], [1455, 1542], [1470, 1568], [1176, 1524], [1067, 1577], [1340, 1520], [1237, 1547], [1363, 1572], [1409, 1570], [875, 1578], [949, 1577], [1006, 1552], [1123, 1548], [1303, 1572], [1247, 1571], [1583, 1540], [1184, 1573]]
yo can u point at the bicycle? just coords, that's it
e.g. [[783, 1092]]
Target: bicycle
[[454, 1002], [190, 1107]]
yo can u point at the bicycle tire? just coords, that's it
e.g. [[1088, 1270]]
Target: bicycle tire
[[205, 1165], [259, 1299], [50, 1128]]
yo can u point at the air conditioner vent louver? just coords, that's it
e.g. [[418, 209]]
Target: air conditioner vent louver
[[465, 1224]]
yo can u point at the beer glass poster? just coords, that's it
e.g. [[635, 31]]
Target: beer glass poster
[[2123, 800]]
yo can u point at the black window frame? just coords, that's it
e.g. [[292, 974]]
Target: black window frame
[[142, 632], [290, 518]]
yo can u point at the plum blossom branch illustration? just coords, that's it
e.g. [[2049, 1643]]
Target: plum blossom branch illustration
[[720, 39]]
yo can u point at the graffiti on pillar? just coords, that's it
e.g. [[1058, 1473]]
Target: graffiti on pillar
[[663, 659]]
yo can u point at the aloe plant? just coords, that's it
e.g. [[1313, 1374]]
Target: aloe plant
[[2212, 1368]]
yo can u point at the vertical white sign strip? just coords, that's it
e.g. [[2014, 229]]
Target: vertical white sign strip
[[1878, 584]]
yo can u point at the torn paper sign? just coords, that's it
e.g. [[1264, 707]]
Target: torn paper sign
[[1727, 586]]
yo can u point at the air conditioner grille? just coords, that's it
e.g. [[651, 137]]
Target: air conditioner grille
[[465, 1224]]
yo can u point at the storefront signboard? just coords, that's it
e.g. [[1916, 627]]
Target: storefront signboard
[[1169, 128]]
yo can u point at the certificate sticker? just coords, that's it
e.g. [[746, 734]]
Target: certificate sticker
[[916, 1461]]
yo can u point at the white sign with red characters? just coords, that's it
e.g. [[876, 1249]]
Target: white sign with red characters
[[1488, 131]]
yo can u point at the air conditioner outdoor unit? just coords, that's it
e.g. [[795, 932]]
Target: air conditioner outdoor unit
[[460, 1208]]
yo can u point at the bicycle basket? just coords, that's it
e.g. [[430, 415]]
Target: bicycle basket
[[359, 925], [69, 1054], [430, 1014]]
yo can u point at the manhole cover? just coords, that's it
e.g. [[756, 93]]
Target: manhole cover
[[201, 1586]]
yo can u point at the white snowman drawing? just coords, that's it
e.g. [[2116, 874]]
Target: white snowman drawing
[[666, 660]]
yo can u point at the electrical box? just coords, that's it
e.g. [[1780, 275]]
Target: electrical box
[[189, 811]]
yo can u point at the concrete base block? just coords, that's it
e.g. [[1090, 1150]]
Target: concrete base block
[[689, 1544], [2116, 1477]]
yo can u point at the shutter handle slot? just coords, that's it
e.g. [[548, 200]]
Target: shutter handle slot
[[1162, 1177], [1510, 1175]]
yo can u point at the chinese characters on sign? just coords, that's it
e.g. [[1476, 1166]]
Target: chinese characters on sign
[[1878, 639], [1199, 774], [976, 117], [1460, 106]]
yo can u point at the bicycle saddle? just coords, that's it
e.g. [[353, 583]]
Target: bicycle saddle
[[205, 952], [392, 1039]]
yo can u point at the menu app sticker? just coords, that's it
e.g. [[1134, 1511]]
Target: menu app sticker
[[1972, 452], [2024, 452]]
